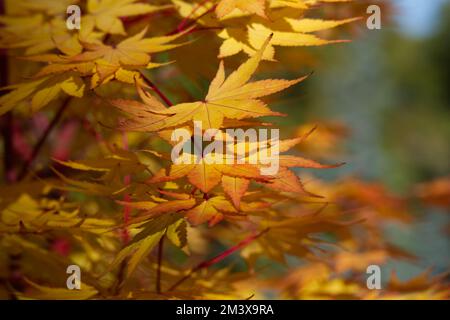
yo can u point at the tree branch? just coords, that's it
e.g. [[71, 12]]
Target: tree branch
[[158, 92], [37, 148], [218, 258], [186, 19], [184, 23]]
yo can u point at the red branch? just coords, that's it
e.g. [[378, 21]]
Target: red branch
[[184, 25], [219, 257], [185, 20], [37, 148], [157, 91]]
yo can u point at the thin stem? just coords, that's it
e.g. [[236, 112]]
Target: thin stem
[[185, 25], [158, 270], [37, 148], [201, 16], [218, 258], [98, 137], [180, 281], [185, 20], [158, 92]]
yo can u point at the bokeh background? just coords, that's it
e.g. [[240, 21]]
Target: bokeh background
[[388, 90]]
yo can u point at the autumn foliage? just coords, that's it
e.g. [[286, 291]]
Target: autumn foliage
[[88, 178]]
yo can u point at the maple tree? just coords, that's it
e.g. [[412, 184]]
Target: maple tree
[[142, 227]]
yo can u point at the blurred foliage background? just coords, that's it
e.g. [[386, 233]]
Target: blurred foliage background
[[388, 92]]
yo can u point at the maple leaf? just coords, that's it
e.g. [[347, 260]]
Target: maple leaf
[[177, 234], [206, 176], [197, 211], [152, 210], [102, 63], [242, 33], [119, 60], [106, 14], [211, 210], [205, 173], [48, 84], [50, 7], [118, 162], [48, 293], [217, 208], [231, 98], [29, 215], [112, 168], [284, 179], [145, 240], [297, 34], [225, 7], [294, 235], [39, 34], [10, 193], [42, 91], [235, 188], [35, 35]]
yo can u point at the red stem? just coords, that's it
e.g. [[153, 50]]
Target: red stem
[[185, 20], [187, 25], [37, 148], [218, 258], [158, 92]]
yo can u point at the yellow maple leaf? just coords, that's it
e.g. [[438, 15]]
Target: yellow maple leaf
[[225, 7], [48, 293], [206, 176], [49, 7], [228, 98], [106, 14], [43, 91], [211, 210], [120, 60], [243, 33]]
